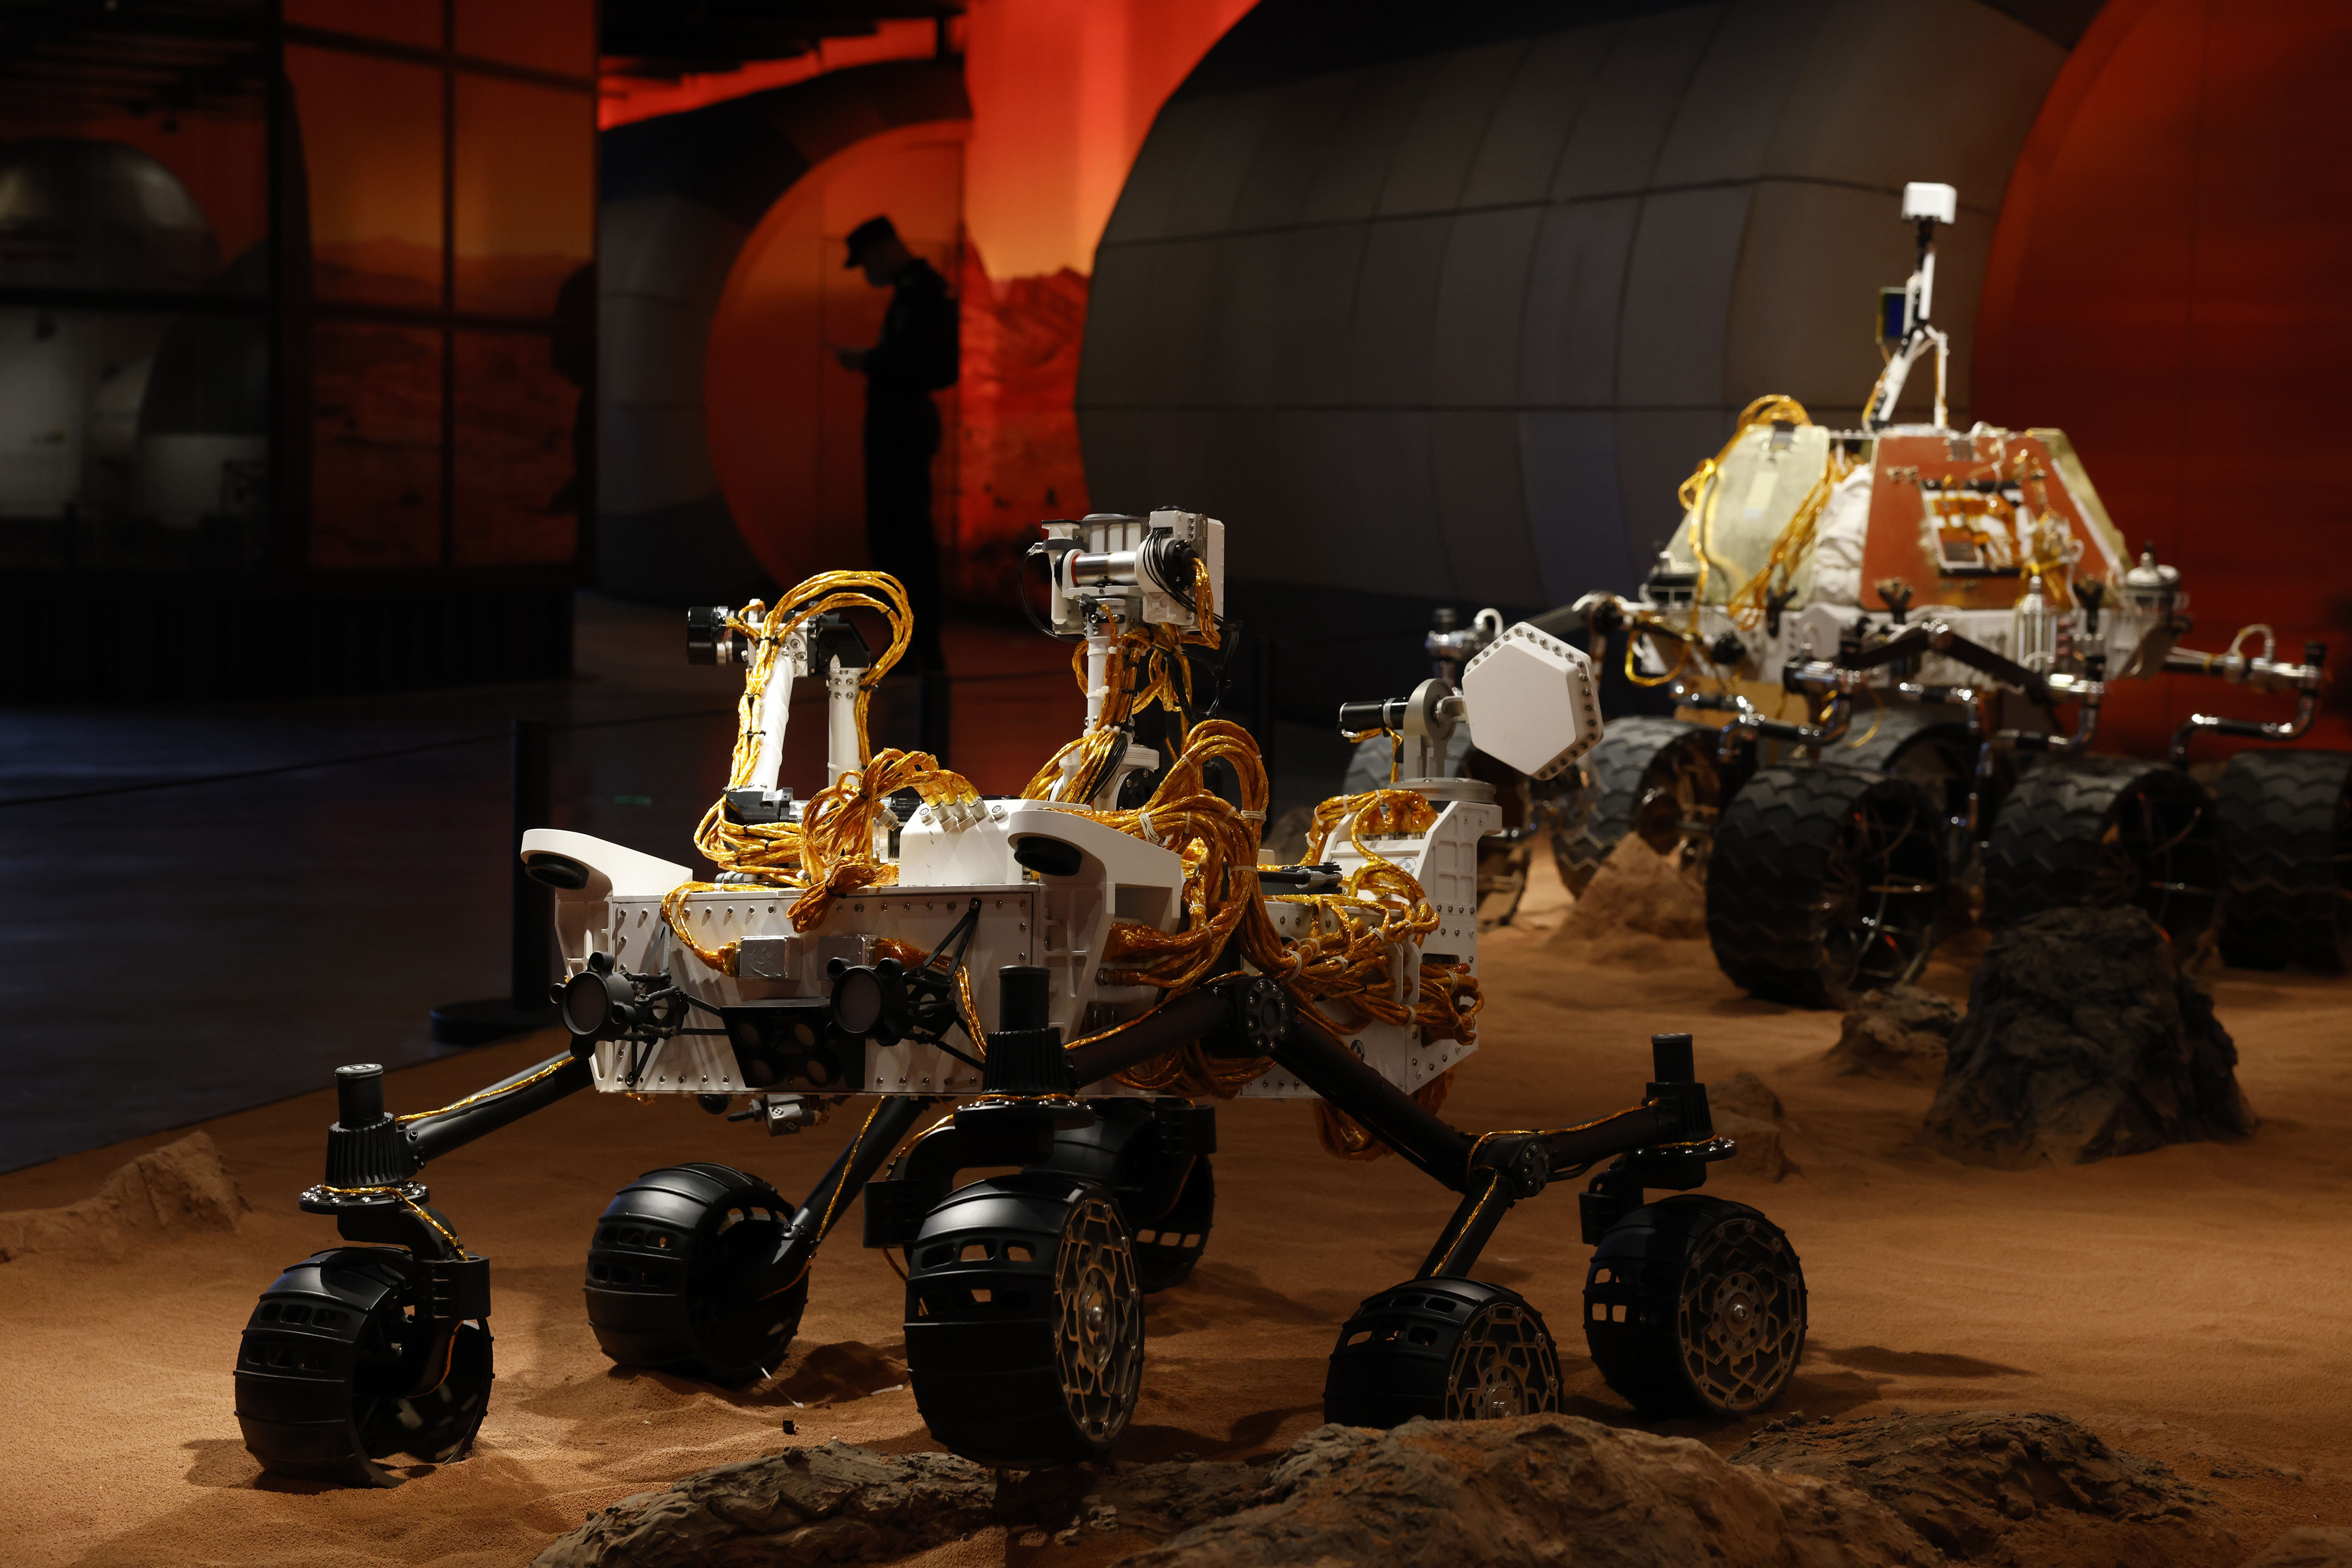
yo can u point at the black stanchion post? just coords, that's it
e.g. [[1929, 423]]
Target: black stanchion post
[[934, 695], [530, 912]]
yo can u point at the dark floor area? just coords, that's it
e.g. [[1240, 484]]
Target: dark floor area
[[211, 908]]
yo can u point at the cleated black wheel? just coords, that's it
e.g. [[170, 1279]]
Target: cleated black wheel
[[1168, 1196], [1824, 883], [2287, 854], [1449, 1349], [1168, 1245], [340, 1371], [1695, 1306], [1024, 1321], [2102, 832], [667, 1272], [1654, 778], [1930, 747]]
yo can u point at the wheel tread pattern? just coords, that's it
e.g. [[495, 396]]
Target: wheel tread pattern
[[1635, 1306], [1765, 916], [2285, 895], [2046, 848], [1597, 816]]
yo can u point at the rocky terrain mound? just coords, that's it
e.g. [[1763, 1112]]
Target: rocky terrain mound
[[2083, 1040], [2010, 1490], [1538, 1489], [1638, 893], [1999, 1489], [1901, 1033], [181, 1186]]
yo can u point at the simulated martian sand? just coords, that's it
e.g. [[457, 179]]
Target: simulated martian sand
[[2192, 1305]]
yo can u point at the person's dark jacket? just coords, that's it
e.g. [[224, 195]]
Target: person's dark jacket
[[918, 352]]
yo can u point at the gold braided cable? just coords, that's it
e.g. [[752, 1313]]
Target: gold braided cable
[[673, 912], [1346, 1138], [969, 1012], [842, 822], [405, 1202], [546, 1070], [771, 850]]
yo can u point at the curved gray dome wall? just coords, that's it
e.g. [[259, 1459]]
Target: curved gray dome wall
[[1446, 301], [680, 195]]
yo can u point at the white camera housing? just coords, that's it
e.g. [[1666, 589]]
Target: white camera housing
[[1939, 203]]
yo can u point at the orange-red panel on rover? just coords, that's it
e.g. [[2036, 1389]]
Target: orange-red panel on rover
[[1964, 518]]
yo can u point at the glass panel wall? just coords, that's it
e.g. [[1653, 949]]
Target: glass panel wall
[[375, 462], [134, 276], [526, 186], [553, 36], [370, 140], [310, 292], [451, 198], [415, 22], [516, 479]]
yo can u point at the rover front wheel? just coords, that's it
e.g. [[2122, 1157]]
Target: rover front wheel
[[1025, 1320], [1449, 1349], [669, 1268], [1694, 1306], [1654, 778], [341, 1371], [1824, 883]]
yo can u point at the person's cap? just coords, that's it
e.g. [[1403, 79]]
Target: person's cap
[[866, 236]]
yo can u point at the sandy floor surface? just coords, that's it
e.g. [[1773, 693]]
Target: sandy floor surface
[[2191, 1304]]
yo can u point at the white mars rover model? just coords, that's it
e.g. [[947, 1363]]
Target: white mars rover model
[[1137, 964], [1935, 614]]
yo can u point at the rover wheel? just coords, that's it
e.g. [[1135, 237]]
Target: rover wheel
[[1025, 1320], [1656, 778], [1169, 1199], [2287, 854], [1930, 747], [329, 1366], [1694, 1306], [667, 1269], [1450, 1349], [1824, 883], [1168, 1245], [2102, 832]]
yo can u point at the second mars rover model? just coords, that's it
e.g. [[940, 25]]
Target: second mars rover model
[[1136, 963], [1936, 614]]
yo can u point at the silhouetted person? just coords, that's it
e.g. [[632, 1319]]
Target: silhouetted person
[[916, 355]]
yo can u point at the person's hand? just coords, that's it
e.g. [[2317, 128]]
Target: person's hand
[[851, 359]]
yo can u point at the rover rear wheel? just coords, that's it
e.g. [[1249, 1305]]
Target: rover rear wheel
[[1695, 1306], [1025, 1320], [331, 1363], [1655, 778], [2102, 832], [1824, 883], [1449, 1349], [1168, 1245], [2287, 854], [667, 1272]]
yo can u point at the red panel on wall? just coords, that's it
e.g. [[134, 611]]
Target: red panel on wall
[[2167, 284]]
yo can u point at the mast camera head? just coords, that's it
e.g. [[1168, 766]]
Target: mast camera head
[[1924, 203]]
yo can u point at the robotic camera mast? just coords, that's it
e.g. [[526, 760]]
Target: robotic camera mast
[[1906, 329]]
